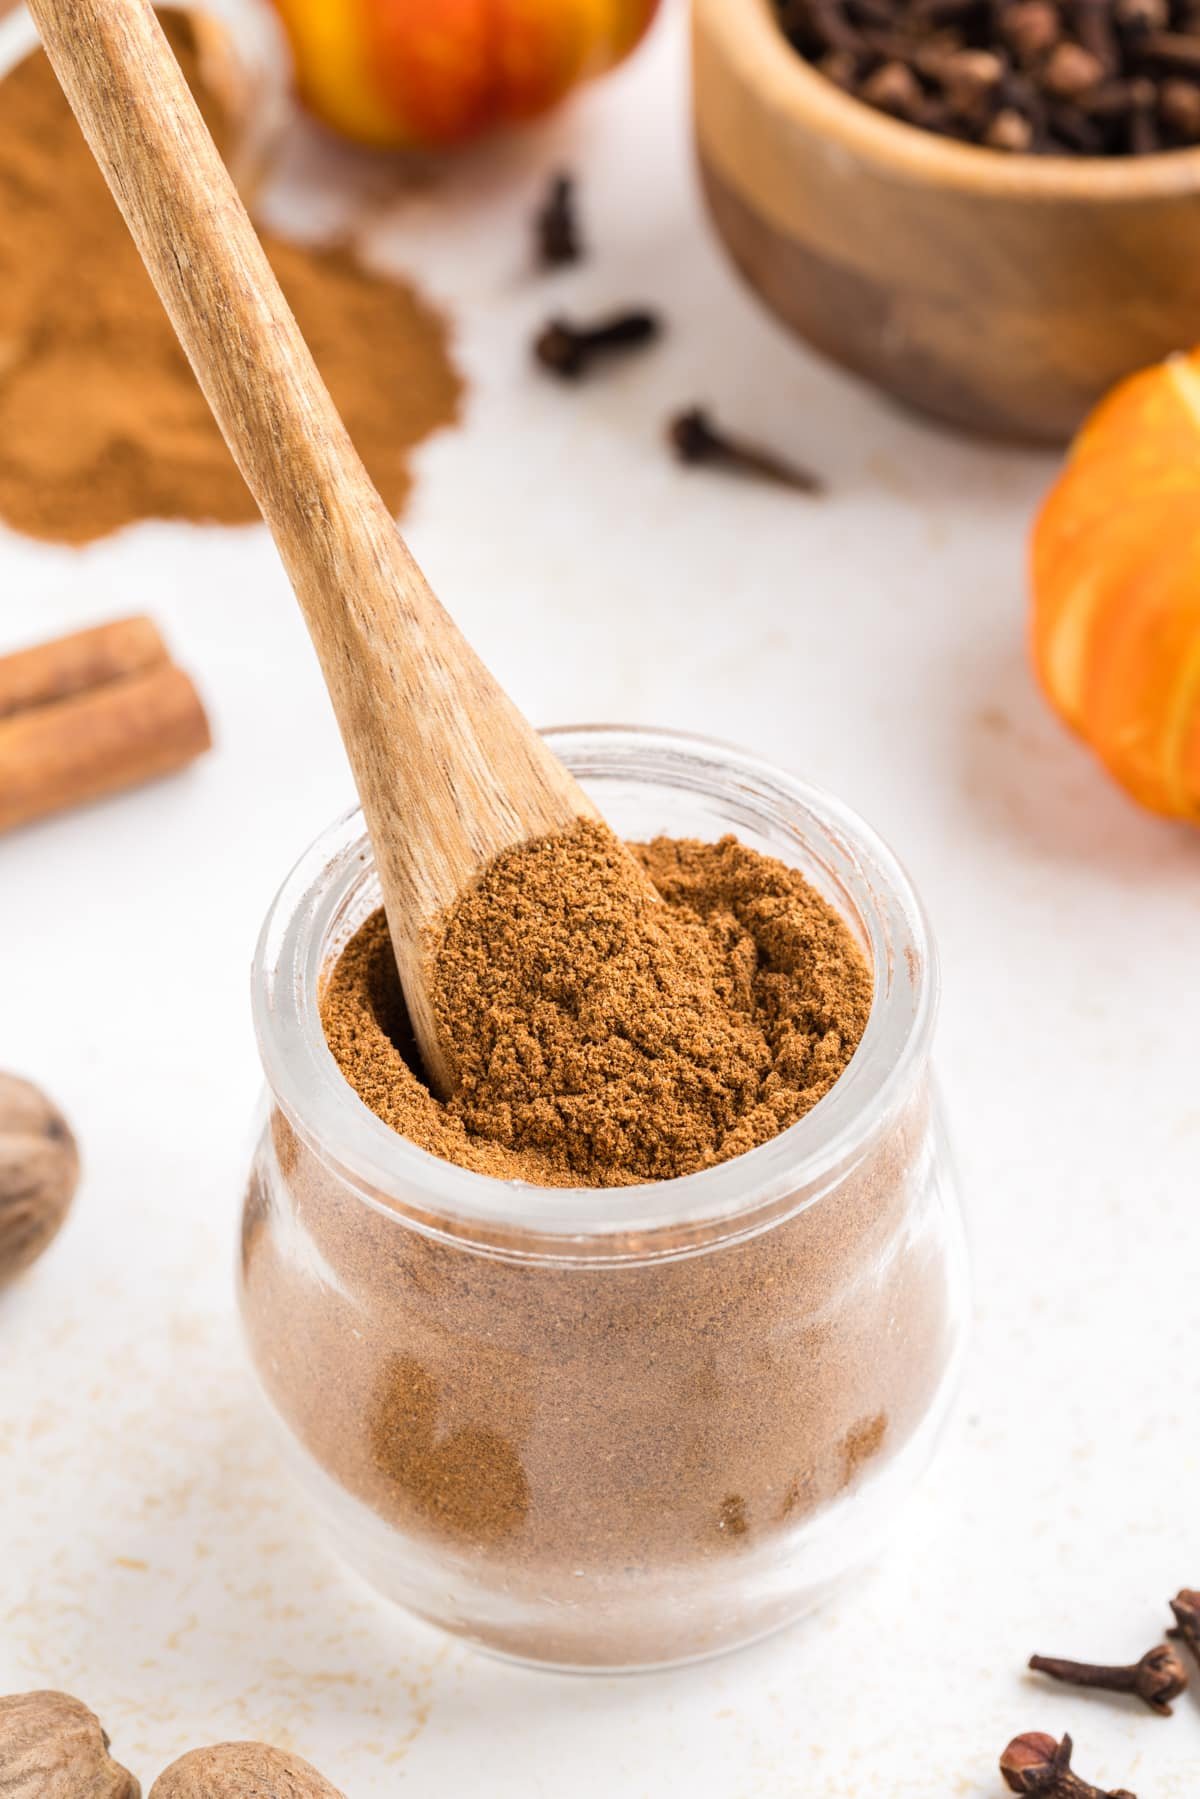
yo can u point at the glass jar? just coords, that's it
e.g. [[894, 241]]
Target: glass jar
[[627, 1427]]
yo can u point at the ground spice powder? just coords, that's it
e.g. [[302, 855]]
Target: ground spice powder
[[630, 1454], [603, 1038], [101, 420]]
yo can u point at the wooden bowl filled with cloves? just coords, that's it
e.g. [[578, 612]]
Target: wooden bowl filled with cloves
[[989, 208]]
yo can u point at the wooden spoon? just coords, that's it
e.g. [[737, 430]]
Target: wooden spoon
[[448, 771]]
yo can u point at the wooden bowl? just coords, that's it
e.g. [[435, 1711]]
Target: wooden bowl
[[1001, 293]]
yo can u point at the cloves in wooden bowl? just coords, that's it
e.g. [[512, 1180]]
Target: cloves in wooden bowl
[[1003, 293]]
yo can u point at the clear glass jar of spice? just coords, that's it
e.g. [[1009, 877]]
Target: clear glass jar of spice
[[625, 1427]]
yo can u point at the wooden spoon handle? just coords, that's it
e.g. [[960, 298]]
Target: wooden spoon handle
[[448, 771]]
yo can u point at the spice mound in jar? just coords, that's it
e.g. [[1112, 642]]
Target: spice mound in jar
[[652, 1443], [602, 1038]]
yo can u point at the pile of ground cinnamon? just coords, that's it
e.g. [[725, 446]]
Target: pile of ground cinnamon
[[601, 1036], [101, 421]]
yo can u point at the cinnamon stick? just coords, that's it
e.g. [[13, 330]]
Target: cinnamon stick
[[54, 671], [98, 741]]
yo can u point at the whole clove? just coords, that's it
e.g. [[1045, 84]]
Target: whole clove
[[894, 88], [1142, 15], [1072, 126], [1009, 130], [1186, 1607], [830, 26], [969, 75], [568, 351], [944, 12], [697, 440], [1030, 29], [1096, 31], [1179, 109], [556, 226], [1036, 1764], [1157, 1679], [1111, 100], [1071, 71], [1144, 136], [1024, 77], [840, 67], [1172, 49]]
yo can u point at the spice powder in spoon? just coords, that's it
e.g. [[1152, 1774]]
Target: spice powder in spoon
[[599, 1037]]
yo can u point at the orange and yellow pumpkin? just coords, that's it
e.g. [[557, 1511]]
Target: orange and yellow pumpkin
[[436, 73], [1116, 587]]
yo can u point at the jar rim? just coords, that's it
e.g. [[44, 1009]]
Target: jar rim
[[791, 1170]]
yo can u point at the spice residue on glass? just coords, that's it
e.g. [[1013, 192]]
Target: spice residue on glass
[[601, 1038]]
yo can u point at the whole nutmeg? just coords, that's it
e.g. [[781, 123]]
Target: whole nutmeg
[[241, 1771], [52, 1747], [39, 1171]]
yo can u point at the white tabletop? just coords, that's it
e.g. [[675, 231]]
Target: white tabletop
[[154, 1560]]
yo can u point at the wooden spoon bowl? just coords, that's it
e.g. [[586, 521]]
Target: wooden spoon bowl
[[1003, 294]]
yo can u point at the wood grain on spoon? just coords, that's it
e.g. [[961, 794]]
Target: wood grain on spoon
[[448, 770]]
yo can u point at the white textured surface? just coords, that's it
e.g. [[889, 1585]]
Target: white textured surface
[[152, 1560]]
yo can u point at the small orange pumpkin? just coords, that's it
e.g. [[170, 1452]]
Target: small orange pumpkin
[[430, 74], [1116, 587]]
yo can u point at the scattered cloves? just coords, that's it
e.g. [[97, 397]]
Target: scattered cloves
[[697, 440], [556, 226], [1158, 1678], [1186, 1607], [569, 350], [1036, 1764]]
